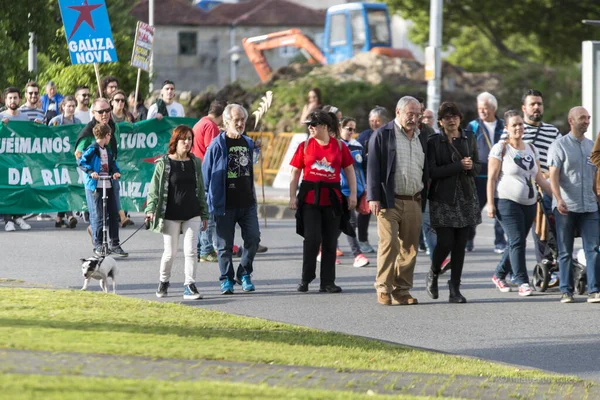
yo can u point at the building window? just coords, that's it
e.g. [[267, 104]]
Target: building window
[[188, 43]]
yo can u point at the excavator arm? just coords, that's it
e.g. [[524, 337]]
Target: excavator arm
[[255, 47]]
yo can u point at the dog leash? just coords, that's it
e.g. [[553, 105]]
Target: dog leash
[[136, 231]]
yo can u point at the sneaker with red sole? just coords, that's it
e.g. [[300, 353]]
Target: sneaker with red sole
[[360, 261], [501, 284], [339, 253]]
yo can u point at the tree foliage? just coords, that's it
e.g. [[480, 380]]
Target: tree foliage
[[486, 33], [54, 63]]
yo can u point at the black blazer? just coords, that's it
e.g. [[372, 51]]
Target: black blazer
[[381, 166], [445, 168]]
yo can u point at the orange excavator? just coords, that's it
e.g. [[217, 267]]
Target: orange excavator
[[349, 28], [255, 47]]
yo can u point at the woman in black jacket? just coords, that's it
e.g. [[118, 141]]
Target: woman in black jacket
[[453, 166]]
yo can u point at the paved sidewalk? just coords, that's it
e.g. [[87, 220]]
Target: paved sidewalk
[[376, 382]]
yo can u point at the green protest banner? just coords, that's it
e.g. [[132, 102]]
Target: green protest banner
[[38, 170]]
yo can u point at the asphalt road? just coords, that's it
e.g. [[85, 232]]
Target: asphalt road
[[537, 332]]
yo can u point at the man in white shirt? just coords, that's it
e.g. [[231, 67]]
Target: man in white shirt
[[166, 106], [82, 112]]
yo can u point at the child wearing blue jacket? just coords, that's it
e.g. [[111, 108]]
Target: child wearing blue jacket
[[358, 155], [98, 161]]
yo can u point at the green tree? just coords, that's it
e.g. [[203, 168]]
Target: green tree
[[54, 63], [508, 33]]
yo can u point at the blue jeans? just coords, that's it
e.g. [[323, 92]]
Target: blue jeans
[[516, 219], [207, 242], [428, 232], [247, 219], [94, 202], [588, 225]]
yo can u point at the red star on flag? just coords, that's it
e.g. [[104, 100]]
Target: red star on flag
[[85, 15]]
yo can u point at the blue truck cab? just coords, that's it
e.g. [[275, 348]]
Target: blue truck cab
[[353, 28]]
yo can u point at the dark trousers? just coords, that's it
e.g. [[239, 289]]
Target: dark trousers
[[13, 218], [321, 228], [362, 221], [481, 187], [450, 241], [516, 220]]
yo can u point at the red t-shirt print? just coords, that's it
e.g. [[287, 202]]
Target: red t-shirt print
[[321, 163]]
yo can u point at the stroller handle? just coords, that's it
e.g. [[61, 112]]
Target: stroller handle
[[104, 178]]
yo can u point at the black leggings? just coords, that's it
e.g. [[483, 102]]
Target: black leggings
[[450, 240]]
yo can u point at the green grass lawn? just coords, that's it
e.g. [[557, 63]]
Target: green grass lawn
[[71, 321], [18, 387]]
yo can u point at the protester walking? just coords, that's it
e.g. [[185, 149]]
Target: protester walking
[[322, 210], [176, 204], [453, 165], [513, 166], [575, 203], [231, 197], [356, 150], [397, 175]]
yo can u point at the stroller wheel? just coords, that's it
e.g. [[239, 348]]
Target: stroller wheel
[[541, 276]]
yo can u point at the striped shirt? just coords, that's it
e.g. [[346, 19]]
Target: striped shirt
[[541, 137], [410, 159], [32, 113]]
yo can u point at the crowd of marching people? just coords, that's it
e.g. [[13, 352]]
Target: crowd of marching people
[[425, 176]]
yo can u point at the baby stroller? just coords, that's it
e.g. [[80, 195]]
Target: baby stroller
[[543, 271]]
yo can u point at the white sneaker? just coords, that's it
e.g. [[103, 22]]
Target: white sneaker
[[9, 226], [360, 261], [525, 290], [22, 224]]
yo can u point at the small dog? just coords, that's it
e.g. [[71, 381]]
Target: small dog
[[100, 268]]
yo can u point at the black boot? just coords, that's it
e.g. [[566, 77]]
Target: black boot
[[455, 296], [432, 284]]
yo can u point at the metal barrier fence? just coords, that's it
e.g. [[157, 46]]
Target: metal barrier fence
[[273, 150]]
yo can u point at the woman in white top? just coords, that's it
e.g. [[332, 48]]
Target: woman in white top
[[513, 165]]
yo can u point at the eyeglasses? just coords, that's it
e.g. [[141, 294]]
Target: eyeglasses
[[315, 123], [349, 129], [119, 100], [85, 95], [105, 111], [33, 93]]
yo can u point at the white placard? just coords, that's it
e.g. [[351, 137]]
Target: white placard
[[283, 177]]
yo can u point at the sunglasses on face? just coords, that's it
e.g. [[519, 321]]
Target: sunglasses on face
[[85, 95], [33, 93], [119, 100], [314, 124], [105, 111], [349, 129]]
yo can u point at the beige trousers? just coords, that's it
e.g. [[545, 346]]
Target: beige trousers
[[398, 230]]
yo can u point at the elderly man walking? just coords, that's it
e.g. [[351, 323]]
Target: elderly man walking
[[575, 203], [229, 185], [396, 181], [488, 131]]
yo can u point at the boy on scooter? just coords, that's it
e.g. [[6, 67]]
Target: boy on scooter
[[99, 164]]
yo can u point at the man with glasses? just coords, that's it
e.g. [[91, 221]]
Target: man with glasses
[[82, 112], [32, 98], [396, 190]]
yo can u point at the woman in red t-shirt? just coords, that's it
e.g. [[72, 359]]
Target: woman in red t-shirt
[[322, 210]]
